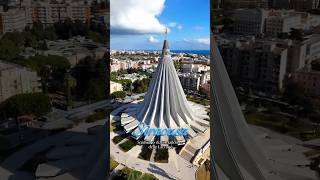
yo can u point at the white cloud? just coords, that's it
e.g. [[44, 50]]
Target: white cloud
[[186, 40], [175, 25], [205, 41], [136, 16], [152, 39], [198, 28], [172, 24]]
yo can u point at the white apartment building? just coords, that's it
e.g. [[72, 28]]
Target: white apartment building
[[249, 21], [257, 64], [17, 80], [49, 12], [133, 77], [313, 47], [12, 20], [114, 86], [115, 67], [190, 81], [194, 68], [282, 24]]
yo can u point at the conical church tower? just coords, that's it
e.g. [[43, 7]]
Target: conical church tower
[[165, 104]]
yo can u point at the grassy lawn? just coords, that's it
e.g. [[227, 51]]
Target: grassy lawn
[[145, 153], [203, 173], [293, 127], [131, 174], [147, 176], [312, 152], [115, 127], [127, 145], [96, 116], [161, 155], [198, 100], [113, 164], [118, 139], [112, 127], [140, 97]]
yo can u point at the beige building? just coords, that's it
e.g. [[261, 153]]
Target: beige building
[[190, 81], [309, 80], [194, 68], [114, 86], [249, 21], [49, 12], [12, 20], [17, 80], [282, 23], [256, 64]]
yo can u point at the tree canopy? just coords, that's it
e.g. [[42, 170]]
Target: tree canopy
[[141, 86], [118, 94], [22, 104]]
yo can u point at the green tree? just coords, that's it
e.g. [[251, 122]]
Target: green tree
[[34, 103], [96, 90], [70, 83], [91, 79], [141, 86], [177, 65], [118, 94]]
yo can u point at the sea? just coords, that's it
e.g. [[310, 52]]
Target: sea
[[199, 52]]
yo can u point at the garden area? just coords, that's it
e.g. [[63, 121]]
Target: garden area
[[118, 139], [128, 144], [131, 174], [145, 153], [161, 156], [96, 116], [115, 127], [198, 100], [113, 164], [295, 127]]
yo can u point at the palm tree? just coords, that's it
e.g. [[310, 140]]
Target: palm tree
[[70, 82]]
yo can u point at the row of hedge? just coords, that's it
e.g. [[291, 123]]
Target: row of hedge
[[161, 155], [131, 174], [145, 153], [127, 145]]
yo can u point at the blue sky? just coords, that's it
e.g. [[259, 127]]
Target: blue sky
[[140, 24]]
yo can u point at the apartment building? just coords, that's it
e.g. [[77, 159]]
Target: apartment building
[[17, 80], [258, 64], [12, 20], [190, 81], [282, 23], [252, 3], [297, 5], [313, 47], [194, 68], [249, 21], [48, 11], [309, 80], [114, 86]]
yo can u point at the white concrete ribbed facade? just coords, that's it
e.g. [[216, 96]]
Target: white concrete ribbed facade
[[165, 104], [235, 151]]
